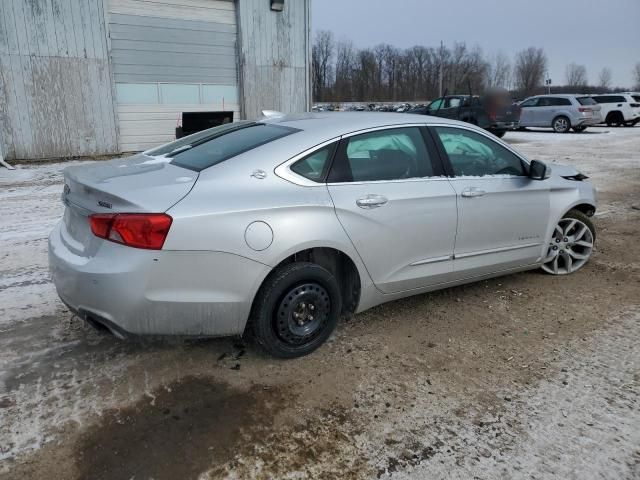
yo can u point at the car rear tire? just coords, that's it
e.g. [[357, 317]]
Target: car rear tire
[[614, 119], [571, 244], [561, 124], [579, 129], [296, 309], [498, 133]]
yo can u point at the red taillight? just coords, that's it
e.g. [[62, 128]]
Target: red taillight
[[101, 224], [139, 230], [492, 114], [583, 109]]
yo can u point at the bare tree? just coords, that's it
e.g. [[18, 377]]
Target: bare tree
[[576, 75], [322, 54], [636, 75], [345, 65], [604, 78], [499, 71], [529, 69]]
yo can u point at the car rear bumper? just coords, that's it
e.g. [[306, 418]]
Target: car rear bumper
[[586, 121], [150, 292]]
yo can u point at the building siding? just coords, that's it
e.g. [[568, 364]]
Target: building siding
[[55, 87], [274, 74]]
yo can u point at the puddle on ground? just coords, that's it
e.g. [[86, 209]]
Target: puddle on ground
[[177, 432]]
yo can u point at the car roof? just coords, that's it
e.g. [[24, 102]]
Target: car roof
[[328, 125], [564, 95]]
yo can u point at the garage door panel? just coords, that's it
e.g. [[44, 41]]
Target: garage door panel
[[152, 46], [172, 23], [182, 37], [203, 60], [208, 10]]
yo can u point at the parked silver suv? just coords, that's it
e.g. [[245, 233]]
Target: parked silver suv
[[560, 112]]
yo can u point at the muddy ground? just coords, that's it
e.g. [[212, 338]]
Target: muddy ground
[[524, 376]]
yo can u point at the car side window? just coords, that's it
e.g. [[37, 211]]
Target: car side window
[[436, 104], [560, 101], [454, 102], [390, 154], [532, 102], [314, 166], [472, 154]]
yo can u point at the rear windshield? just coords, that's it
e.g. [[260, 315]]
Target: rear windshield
[[586, 101], [197, 138], [212, 149]]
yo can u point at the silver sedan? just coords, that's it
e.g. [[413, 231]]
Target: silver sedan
[[281, 226]]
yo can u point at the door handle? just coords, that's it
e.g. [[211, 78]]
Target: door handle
[[473, 192], [371, 201]]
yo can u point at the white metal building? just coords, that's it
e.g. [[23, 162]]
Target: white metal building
[[93, 77]]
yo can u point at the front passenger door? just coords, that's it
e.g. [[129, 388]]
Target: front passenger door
[[502, 213], [396, 206]]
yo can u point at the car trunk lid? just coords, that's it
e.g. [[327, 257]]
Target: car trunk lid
[[133, 185]]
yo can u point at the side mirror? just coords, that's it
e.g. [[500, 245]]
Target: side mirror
[[538, 170]]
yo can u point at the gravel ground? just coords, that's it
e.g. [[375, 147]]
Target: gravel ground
[[525, 376]]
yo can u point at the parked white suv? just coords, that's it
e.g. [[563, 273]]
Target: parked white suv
[[619, 109]]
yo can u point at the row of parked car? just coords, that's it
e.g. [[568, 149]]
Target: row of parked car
[[561, 112], [498, 113]]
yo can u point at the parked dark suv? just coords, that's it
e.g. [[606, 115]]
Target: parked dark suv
[[495, 113]]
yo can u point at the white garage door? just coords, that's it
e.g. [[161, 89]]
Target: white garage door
[[169, 57]]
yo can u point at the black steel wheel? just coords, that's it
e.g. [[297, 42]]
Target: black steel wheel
[[296, 309]]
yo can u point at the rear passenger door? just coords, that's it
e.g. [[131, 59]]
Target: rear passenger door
[[502, 213], [394, 203]]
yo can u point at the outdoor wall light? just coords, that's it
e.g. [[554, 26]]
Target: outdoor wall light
[[277, 5]]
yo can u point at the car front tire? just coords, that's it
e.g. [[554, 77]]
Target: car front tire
[[571, 244], [296, 309]]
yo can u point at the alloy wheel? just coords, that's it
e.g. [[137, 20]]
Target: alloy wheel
[[570, 247], [561, 125]]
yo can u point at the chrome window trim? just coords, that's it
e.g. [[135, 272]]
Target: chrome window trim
[[284, 169]]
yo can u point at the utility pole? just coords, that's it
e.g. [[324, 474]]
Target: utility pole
[[547, 82], [441, 68]]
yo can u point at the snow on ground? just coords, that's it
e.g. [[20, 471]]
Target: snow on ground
[[594, 423]]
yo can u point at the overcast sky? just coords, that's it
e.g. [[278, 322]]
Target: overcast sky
[[594, 33]]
